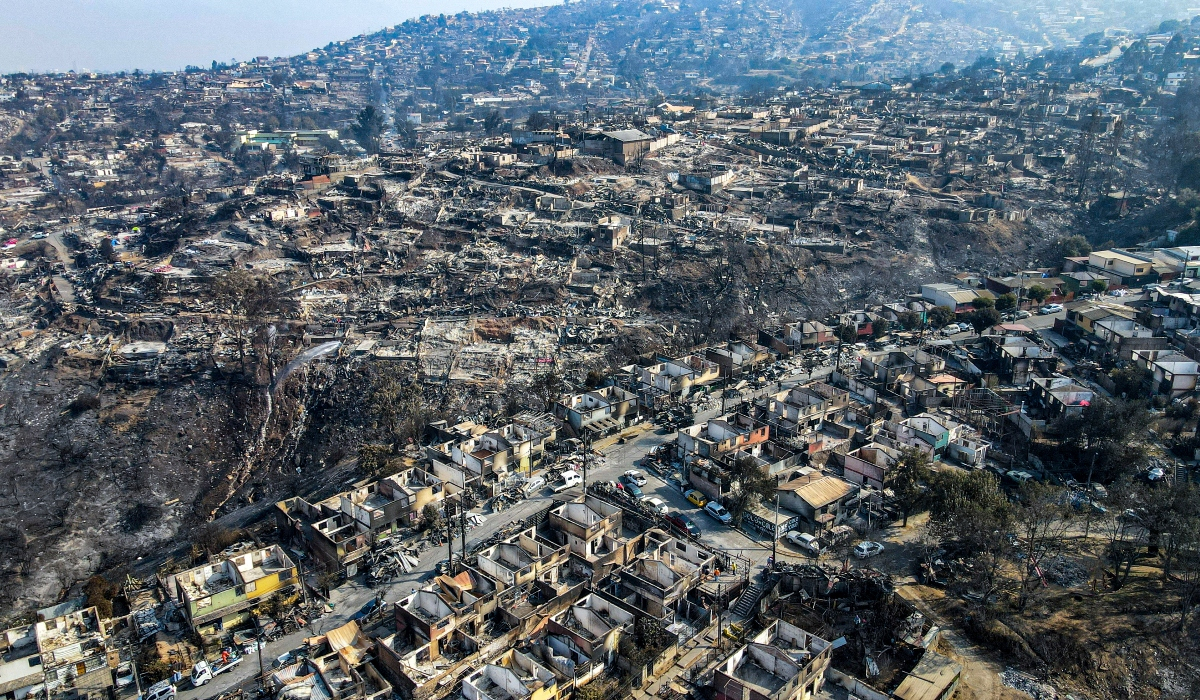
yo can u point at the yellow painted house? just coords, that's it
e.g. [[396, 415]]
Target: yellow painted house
[[220, 594]]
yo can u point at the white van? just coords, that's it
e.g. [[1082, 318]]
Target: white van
[[569, 479]]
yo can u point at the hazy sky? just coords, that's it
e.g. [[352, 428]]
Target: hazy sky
[[114, 35]]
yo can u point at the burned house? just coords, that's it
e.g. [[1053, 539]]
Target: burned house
[[783, 662], [339, 530]]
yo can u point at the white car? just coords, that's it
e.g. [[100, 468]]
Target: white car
[[803, 540], [638, 477], [124, 674], [656, 503], [1050, 309], [865, 550], [162, 690], [718, 511]]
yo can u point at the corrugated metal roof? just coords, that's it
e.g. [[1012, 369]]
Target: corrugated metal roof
[[930, 679], [823, 491]]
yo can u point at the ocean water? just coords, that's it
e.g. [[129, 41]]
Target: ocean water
[[116, 35]]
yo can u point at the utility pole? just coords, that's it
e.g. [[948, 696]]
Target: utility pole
[[720, 613], [462, 524], [775, 533], [449, 540], [133, 664], [1087, 521]]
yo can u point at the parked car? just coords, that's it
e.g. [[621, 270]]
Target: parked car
[[696, 498], [718, 511], [656, 503], [683, 522], [124, 674], [638, 477], [631, 488], [1021, 315], [162, 690], [804, 541], [534, 485], [1050, 309], [865, 550]]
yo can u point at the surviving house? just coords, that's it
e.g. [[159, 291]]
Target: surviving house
[[869, 465], [818, 499]]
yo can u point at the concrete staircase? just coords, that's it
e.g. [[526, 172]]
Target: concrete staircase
[[744, 607]]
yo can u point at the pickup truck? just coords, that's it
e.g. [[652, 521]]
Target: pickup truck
[[203, 672], [570, 479]]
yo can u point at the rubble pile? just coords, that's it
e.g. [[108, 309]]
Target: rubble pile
[[1064, 571], [1028, 685]]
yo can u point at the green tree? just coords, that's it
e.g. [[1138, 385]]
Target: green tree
[[372, 458], [1099, 285], [940, 316], [1132, 382], [1006, 301], [880, 328], [749, 486], [1038, 293], [536, 121], [368, 128], [1074, 247], [908, 475], [909, 320], [847, 334], [431, 518], [970, 510], [983, 319], [492, 122], [983, 303]]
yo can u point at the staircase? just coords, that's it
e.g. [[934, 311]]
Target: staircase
[[746, 603]]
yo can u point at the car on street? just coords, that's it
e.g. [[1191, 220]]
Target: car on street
[[656, 503], [683, 522], [804, 541], [162, 690], [638, 477], [866, 550], [631, 488], [37, 236], [696, 498], [718, 511], [1020, 315], [1050, 309]]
